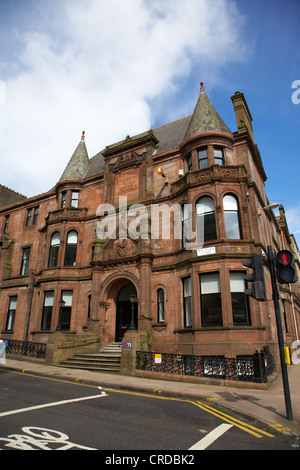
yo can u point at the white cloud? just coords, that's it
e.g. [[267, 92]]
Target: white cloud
[[292, 215], [94, 66]]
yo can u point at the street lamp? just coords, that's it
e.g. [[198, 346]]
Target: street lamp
[[61, 304], [133, 300]]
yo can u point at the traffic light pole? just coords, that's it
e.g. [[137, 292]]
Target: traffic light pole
[[285, 378]]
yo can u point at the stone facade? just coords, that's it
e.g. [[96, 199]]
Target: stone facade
[[189, 298]]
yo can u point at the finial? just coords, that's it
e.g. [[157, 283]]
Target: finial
[[83, 133], [202, 88]]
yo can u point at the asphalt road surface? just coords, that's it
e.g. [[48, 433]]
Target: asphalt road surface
[[39, 413]]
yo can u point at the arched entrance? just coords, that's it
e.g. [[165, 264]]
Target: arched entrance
[[124, 310]]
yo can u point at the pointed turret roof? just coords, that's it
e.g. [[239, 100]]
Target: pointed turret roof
[[205, 117], [79, 162]]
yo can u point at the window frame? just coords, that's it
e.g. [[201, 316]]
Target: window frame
[[66, 311], [240, 296], [47, 312], [209, 235], [217, 158], [53, 251], [213, 302], [74, 203], [237, 218], [203, 159], [25, 261], [160, 299], [187, 302], [71, 250], [11, 314]]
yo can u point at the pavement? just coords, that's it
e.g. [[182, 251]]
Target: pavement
[[261, 406]]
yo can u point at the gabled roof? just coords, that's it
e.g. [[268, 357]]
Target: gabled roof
[[205, 117]]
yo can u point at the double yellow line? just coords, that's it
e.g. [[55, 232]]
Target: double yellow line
[[229, 419]]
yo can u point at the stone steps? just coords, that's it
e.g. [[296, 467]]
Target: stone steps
[[107, 359]]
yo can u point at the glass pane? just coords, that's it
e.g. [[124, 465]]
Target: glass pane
[[72, 238], [205, 205], [230, 203], [67, 296], [211, 309], [210, 283], [240, 309], [237, 283], [13, 303], [232, 226], [187, 288], [55, 240], [48, 300]]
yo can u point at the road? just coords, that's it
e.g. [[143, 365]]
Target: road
[[44, 414]]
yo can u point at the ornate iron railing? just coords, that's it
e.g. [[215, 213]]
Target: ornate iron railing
[[26, 348], [254, 368]]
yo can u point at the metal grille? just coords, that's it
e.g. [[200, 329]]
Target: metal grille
[[243, 368], [26, 348]]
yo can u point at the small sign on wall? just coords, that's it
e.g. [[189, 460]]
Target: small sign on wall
[[157, 358]]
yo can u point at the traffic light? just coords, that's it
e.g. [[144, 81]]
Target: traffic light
[[285, 265], [257, 278]]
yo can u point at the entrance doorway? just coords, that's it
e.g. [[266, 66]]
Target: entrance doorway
[[124, 309]]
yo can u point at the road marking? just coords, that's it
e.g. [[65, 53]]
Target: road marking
[[48, 405], [211, 437], [235, 422]]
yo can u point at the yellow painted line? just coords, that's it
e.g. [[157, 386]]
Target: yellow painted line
[[278, 427], [230, 419]]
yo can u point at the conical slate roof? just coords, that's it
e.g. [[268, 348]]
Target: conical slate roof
[[78, 164], [205, 117]]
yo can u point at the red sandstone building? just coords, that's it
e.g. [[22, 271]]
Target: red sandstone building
[[189, 301]]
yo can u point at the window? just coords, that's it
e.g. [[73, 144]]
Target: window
[[6, 222], [160, 306], [35, 215], [54, 249], [25, 262], [74, 198], [63, 199], [240, 302], [206, 222], [32, 216], [185, 238], [231, 216], [202, 158], [65, 314], [71, 249], [47, 310], [28, 218], [187, 302], [219, 156], [189, 161], [11, 313], [211, 307]]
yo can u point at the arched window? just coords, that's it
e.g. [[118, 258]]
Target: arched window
[[160, 306], [71, 248], [206, 220], [232, 219], [54, 248]]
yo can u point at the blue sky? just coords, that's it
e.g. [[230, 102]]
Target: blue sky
[[114, 68]]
